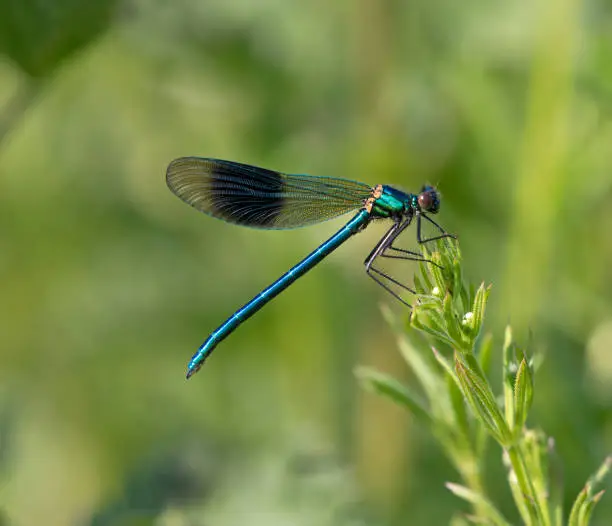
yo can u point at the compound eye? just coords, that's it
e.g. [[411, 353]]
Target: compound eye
[[428, 200]]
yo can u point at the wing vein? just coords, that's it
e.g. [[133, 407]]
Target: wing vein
[[261, 198]]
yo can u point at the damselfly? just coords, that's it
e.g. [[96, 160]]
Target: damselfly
[[261, 198]]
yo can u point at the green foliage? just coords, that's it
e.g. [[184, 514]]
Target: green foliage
[[448, 319], [39, 36]]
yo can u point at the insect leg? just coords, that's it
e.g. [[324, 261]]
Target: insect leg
[[375, 273], [444, 234]]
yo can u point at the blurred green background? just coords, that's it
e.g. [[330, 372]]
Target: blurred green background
[[108, 283]]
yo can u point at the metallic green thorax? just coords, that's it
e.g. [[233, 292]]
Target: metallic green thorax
[[392, 202]]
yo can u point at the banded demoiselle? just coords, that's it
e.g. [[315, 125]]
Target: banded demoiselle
[[261, 198]]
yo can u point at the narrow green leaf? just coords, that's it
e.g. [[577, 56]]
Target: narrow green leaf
[[459, 411], [437, 273], [484, 506], [601, 474], [472, 295], [479, 305], [482, 401], [471, 361], [586, 499], [451, 323], [485, 393], [519, 498], [577, 507], [467, 329], [466, 301], [457, 283], [485, 352], [386, 386], [424, 268], [429, 305], [416, 322], [423, 368], [587, 509], [507, 345], [523, 396], [446, 365], [508, 379], [482, 441], [418, 286], [435, 319], [525, 496], [534, 447]]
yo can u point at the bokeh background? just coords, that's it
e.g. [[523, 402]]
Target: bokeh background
[[108, 283]]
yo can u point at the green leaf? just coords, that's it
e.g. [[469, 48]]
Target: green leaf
[[484, 506], [457, 283], [577, 507], [587, 509], [424, 268], [535, 453], [508, 379], [446, 365], [466, 302], [472, 295], [485, 352], [436, 321], [587, 498], [481, 399], [39, 35], [523, 488], [600, 475], [459, 410], [415, 321], [437, 273], [523, 396], [519, 498], [451, 323], [478, 307], [423, 369], [386, 386], [415, 355], [418, 286]]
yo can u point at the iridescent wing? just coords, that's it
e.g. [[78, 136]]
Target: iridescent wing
[[261, 198]]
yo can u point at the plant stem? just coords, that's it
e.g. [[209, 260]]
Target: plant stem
[[526, 486]]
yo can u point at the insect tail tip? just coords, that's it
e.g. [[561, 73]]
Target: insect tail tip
[[192, 369]]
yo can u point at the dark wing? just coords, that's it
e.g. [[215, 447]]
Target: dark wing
[[260, 198]]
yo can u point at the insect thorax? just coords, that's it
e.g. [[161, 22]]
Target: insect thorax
[[391, 203]]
